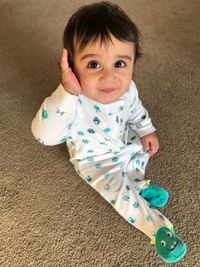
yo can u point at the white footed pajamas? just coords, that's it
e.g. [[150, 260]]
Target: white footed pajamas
[[105, 148]]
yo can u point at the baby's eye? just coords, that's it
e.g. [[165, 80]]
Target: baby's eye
[[120, 64], [94, 65]]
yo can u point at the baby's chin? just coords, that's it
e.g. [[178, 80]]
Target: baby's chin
[[106, 101], [106, 98]]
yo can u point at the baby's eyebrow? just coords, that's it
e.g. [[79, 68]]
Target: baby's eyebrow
[[96, 55], [125, 57], [88, 56]]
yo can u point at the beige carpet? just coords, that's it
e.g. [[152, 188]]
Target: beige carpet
[[48, 215]]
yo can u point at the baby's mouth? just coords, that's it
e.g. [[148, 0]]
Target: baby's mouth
[[107, 90]]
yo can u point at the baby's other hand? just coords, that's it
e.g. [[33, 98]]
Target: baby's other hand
[[150, 143], [69, 80]]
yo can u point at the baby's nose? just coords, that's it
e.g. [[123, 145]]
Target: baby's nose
[[107, 75]]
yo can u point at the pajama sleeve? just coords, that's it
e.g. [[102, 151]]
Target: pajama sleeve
[[55, 117], [139, 119]]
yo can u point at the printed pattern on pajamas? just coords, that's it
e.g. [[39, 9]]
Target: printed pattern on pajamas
[[105, 148]]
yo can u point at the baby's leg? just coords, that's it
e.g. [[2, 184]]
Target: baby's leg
[[135, 169], [136, 159], [107, 177]]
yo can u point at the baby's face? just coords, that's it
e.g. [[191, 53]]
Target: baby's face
[[104, 71]]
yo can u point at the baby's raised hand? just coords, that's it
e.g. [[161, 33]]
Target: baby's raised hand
[[69, 80]]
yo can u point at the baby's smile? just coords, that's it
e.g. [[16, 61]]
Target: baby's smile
[[107, 90]]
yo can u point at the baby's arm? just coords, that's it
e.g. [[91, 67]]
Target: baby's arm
[[140, 122], [54, 117], [56, 114], [139, 119]]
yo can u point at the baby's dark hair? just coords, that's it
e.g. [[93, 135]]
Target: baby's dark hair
[[99, 20]]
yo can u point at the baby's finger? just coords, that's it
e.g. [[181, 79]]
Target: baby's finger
[[145, 143], [64, 61], [153, 149]]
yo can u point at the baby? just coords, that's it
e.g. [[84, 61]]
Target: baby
[[97, 112]]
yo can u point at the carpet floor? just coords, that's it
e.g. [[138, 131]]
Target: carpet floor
[[48, 215]]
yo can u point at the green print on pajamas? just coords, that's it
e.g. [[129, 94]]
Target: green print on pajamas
[[105, 149]]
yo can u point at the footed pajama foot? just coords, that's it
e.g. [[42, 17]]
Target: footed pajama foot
[[169, 246], [155, 195]]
